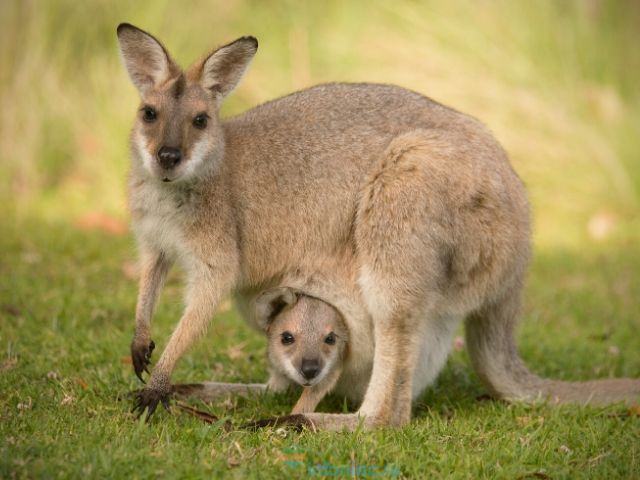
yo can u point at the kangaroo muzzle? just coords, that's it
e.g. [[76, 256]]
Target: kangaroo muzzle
[[310, 368], [169, 157]]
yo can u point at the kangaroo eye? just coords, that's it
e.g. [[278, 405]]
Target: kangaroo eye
[[200, 121], [287, 338], [330, 339], [149, 114]]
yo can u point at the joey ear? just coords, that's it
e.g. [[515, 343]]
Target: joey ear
[[223, 69], [270, 303], [145, 59]]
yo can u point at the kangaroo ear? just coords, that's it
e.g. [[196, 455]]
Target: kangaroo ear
[[223, 69], [271, 303], [146, 60]]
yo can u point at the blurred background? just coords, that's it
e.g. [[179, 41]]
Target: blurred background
[[557, 82]]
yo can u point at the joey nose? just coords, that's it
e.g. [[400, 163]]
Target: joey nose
[[310, 368], [169, 157]]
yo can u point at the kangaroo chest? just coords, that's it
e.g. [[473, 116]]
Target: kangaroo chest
[[160, 220]]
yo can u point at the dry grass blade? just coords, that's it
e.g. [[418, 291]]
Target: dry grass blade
[[202, 415]]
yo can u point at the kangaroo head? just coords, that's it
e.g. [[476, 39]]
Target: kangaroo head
[[177, 135], [307, 337]]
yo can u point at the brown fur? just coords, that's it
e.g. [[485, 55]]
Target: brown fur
[[308, 321], [404, 214]]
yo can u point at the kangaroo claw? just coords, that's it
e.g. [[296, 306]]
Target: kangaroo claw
[[141, 357], [148, 399]]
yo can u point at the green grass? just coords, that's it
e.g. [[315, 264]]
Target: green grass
[[555, 80], [67, 315]]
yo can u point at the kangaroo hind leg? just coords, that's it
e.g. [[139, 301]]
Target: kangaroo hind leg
[[397, 233]]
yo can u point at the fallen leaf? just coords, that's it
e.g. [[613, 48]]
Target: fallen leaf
[[204, 416], [126, 360], [67, 399], [84, 385]]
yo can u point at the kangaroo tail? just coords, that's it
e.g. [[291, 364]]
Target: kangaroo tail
[[494, 355]]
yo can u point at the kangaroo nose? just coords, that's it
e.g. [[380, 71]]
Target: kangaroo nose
[[169, 157], [310, 368]]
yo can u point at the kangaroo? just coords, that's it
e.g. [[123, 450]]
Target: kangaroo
[[304, 331], [307, 345], [411, 204]]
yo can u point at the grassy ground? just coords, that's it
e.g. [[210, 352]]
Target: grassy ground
[[557, 83], [66, 311]]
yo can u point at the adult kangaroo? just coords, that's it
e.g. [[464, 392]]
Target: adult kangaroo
[[411, 203]]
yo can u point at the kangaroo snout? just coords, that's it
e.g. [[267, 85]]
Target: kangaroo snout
[[310, 368], [169, 157]]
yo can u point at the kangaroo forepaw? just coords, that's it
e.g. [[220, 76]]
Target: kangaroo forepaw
[[148, 399], [141, 357]]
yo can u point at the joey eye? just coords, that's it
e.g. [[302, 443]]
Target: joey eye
[[330, 339], [287, 338], [149, 114], [200, 121]]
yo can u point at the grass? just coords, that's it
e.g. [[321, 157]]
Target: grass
[[67, 309], [556, 82]]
